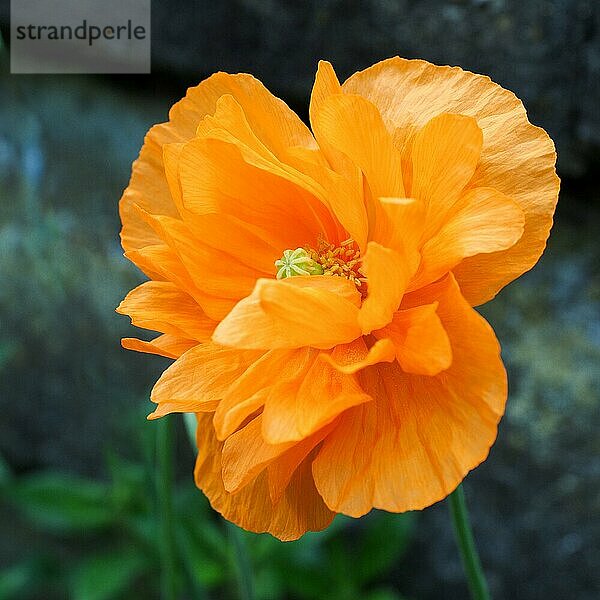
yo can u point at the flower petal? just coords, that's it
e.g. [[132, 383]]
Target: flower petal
[[388, 274], [351, 358], [445, 153], [415, 442], [161, 306], [517, 158], [298, 509], [402, 225], [250, 391], [215, 272], [228, 234], [281, 471], [287, 314], [168, 266], [420, 340], [246, 454], [296, 409], [354, 126], [147, 188], [326, 84], [486, 221], [216, 177], [197, 380], [274, 122], [164, 345]]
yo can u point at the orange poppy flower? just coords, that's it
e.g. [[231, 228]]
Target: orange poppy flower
[[316, 288]]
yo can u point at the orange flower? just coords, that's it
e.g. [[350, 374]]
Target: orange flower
[[316, 289]]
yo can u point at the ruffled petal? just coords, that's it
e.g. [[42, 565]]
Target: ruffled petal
[[388, 274], [297, 408], [281, 471], [351, 358], [444, 154], [166, 345], [230, 235], [420, 342], [249, 392], [216, 177], [416, 441], [326, 84], [298, 509], [485, 221], [246, 454], [517, 158], [402, 224], [161, 306], [197, 380], [147, 188], [169, 267], [274, 122], [291, 313], [215, 272], [354, 126]]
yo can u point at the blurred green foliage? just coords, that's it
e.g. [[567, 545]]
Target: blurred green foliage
[[113, 527]]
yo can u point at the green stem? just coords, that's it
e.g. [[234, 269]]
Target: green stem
[[466, 544], [164, 493], [244, 568]]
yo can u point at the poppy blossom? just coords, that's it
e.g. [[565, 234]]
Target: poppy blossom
[[316, 286]]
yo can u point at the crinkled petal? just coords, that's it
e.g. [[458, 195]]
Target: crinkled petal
[[326, 84], [354, 126], [388, 274], [281, 471], [416, 441], [246, 454], [444, 154], [297, 408], [486, 221], [168, 265], [216, 177], [517, 158], [276, 125], [213, 271], [287, 314], [351, 358], [198, 379], [420, 342], [298, 509], [249, 392], [166, 345], [161, 306], [402, 224]]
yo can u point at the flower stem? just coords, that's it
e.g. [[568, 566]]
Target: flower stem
[[244, 568], [164, 493], [466, 544]]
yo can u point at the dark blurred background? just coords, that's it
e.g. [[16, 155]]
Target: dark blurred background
[[76, 454]]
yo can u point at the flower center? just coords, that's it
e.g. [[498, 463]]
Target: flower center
[[328, 259]]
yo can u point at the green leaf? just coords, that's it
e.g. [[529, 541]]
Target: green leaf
[[62, 502], [106, 576]]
